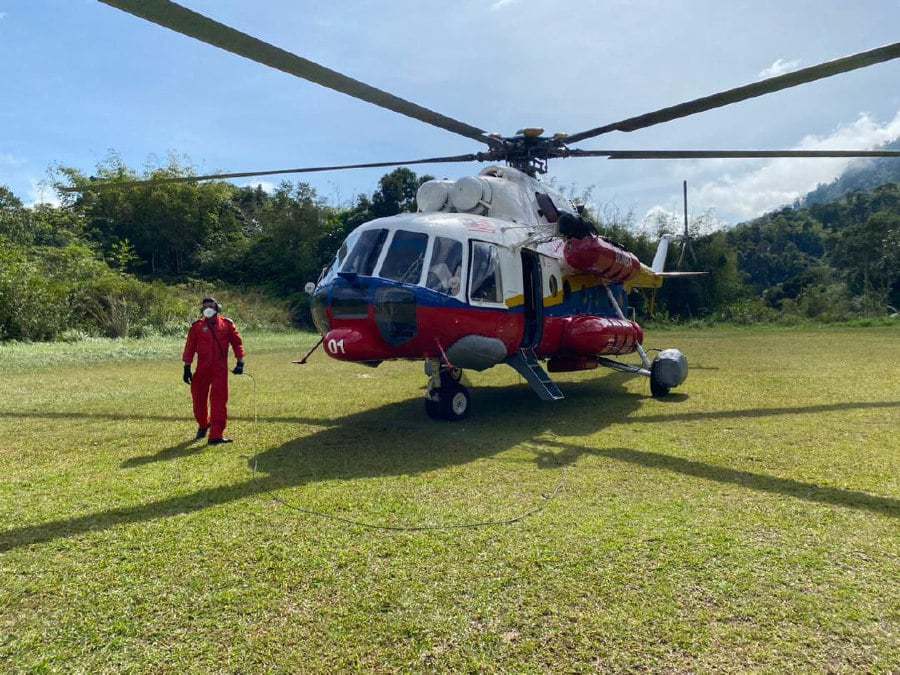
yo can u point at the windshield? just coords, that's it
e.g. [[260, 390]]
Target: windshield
[[445, 267], [405, 257], [364, 255], [331, 271]]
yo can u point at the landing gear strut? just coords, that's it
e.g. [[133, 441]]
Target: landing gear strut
[[667, 370], [446, 398]]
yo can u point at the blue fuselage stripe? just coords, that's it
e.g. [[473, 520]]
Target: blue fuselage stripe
[[585, 301]]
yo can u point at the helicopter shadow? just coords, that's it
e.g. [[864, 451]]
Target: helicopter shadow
[[397, 439], [390, 440]]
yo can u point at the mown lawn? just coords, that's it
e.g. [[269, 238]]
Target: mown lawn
[[749, 522]]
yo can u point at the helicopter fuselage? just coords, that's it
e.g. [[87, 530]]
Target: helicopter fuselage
[[469, 289]]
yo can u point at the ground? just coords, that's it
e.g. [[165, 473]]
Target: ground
[[749, 522]]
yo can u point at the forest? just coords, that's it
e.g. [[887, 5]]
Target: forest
[[120, 263]]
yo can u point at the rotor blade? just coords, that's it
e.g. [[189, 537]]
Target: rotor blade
[[737, 94], [725, 154], [246, 174], [195, 25]]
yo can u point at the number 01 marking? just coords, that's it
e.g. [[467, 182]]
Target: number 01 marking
[[335, 346]]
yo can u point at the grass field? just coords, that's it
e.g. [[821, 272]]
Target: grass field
[[749, 522]]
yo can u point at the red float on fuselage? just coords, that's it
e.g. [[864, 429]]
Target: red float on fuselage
[[597, 256]]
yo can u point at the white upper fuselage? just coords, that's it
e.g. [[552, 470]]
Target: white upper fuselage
[[499, 192], [504, 210]]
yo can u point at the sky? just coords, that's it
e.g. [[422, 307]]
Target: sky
[[79, 80]]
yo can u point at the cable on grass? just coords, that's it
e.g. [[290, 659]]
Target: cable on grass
[[546, 498]]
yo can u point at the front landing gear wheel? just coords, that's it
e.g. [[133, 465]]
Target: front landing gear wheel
[[657, 388], [448, 403], [454, 403]]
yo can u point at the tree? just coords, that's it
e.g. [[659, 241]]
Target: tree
[[168, 224]]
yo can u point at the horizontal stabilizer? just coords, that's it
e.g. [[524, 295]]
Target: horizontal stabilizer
[[680, 274]]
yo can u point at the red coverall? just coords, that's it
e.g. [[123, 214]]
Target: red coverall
[[209, 340]]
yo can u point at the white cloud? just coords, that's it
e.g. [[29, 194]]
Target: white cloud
[[500, 4], [659, 219], [741, 194], [42, 192], [779, 67], [8, 159], [267, 186], [669, 219]]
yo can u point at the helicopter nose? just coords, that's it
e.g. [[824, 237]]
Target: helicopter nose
[[354, 344]]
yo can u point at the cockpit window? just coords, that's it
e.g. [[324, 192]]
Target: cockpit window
[[364, 255], [405, 257], [484, 283], [329, 272], [445, 267], [341, 254]]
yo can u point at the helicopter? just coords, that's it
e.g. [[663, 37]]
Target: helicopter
[[493, 269]]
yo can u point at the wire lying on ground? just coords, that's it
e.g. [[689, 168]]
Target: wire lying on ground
[[545, 498]]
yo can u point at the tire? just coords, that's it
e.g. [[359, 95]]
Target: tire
[[657, 388], [433, 409], [455, 403]]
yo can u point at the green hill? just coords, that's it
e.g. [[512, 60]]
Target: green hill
[[862, 175]]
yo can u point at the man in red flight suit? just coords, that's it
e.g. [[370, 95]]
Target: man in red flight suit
[[209, 338]]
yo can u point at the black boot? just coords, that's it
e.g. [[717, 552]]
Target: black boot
[[219, 441], [201, 432]]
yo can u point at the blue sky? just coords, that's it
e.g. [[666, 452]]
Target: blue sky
[[81, 79]]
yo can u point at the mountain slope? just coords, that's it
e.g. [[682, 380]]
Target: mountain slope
[[863, 175]]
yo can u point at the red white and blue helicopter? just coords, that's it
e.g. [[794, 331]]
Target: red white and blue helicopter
[[493, 269], [496, 268]]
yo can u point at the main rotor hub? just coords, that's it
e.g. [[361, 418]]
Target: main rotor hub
[[528, 151]]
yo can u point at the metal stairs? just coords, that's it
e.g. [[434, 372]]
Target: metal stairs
[[526, 364]]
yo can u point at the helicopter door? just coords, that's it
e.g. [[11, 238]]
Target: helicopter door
[[533, 287]]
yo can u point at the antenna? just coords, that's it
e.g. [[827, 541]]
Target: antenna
[[686, 237]]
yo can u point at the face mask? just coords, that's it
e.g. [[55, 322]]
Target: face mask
[[209, 312]]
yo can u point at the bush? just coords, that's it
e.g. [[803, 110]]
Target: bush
[[32, 303], [251, 309], [49, 293], [749, 311]]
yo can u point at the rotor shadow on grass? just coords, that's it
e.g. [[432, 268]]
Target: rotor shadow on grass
[[755, 481]]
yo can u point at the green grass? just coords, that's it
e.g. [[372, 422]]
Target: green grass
[[749, 522], [90, 352]]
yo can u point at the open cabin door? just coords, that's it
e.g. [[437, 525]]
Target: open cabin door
[[533, 287]]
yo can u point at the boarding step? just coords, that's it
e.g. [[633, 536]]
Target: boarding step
[[526, 364]]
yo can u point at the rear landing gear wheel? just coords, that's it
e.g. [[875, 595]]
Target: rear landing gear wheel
[[657, 388]]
